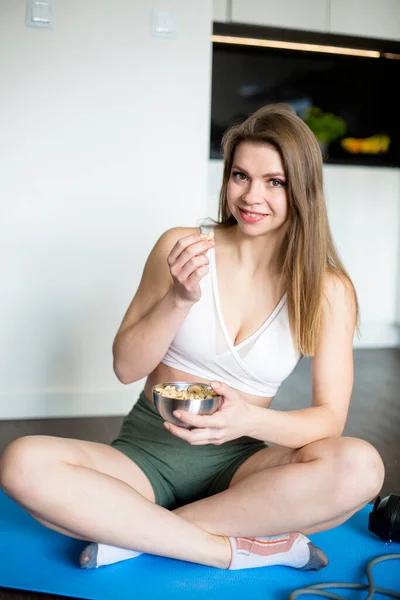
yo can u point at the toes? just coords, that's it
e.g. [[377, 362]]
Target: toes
[[88, 557], [318, 559]]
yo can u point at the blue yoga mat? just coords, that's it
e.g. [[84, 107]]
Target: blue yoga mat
[[35, 558]]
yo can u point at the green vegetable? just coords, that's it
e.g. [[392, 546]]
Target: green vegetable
[[326, 126]]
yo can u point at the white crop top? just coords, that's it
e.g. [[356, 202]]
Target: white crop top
[[203, 347]]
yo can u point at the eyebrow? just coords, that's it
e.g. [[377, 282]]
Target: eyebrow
[[272, 174]]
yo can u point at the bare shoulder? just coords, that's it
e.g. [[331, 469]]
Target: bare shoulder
[[339, 298], [156, 263], [156, 278]]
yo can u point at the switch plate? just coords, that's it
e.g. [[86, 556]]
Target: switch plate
[[163, 24], [39, 13]]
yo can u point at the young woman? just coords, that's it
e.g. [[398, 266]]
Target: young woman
[[237, 311]]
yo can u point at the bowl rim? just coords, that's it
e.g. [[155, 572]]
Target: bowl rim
[[189, 383], [182, 382]]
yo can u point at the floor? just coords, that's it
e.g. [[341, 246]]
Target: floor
[[374, 416]]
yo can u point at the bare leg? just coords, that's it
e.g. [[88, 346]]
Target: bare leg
[[278, 490], [281, 490], [49, 525], [47, 477]]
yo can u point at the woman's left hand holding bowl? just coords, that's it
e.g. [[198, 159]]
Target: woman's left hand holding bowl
[[231, 421]]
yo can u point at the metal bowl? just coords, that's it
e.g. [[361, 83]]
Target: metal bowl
[[166, 406]]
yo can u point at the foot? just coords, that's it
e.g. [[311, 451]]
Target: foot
[[318, 559], [98, 555], [291, 550]]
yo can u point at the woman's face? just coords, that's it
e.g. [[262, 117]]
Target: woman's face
[[256, 193]]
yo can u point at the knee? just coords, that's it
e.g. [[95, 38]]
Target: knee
[[20, 463], [354, 466], [359, 469]]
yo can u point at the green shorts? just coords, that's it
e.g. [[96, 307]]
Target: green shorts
[[178, 472]]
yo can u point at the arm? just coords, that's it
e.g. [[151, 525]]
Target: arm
[[332, 379], [168, 289], [332, 382]]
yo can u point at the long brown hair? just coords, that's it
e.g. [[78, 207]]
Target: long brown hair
[[309, 252]]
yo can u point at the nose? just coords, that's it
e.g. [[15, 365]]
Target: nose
[[254, 194]]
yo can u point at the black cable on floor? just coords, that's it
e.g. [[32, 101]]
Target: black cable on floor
[[313, 590]]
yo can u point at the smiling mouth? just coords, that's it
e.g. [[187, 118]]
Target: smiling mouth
[[252, 214], [250, 217]]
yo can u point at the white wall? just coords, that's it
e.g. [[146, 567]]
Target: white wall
[[364, 212], [104, 145], [104, 129]]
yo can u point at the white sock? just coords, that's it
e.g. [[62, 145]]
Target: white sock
[[97, 555], [291, 550]]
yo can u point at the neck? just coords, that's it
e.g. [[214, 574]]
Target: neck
[[259, 254]]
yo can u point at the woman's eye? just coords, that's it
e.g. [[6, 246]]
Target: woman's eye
[[238, 176], [277, 183]]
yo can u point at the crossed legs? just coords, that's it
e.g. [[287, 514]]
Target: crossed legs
[[279, 489], [93, 492]]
